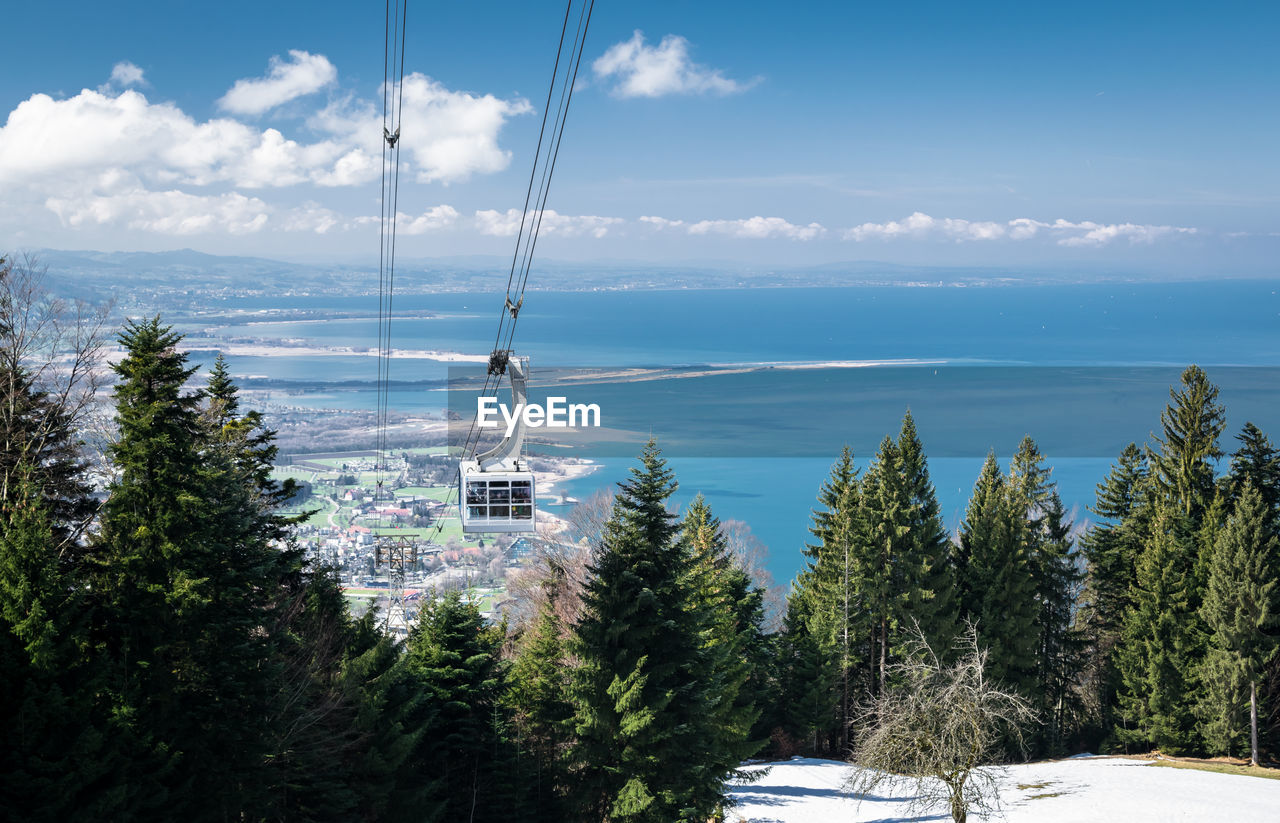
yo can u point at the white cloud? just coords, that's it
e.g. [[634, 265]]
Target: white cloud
[[433, 219], [125, 74], [1096, 234], [304, 73], [1066, 233], [58, 151], [507, 224], [446, 136], [754, 227], [164, 212], [58, 142], [652, 71], [312, 217], [662, 222]]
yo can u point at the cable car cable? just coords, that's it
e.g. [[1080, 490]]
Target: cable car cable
[[526, 241]]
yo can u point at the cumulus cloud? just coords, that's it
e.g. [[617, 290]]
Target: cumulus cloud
[[446, 136], [758, 228], [54, 151], [59, 140], [125, 74], [165, 212], [302, 74], [433, 219], [507, 224], [642, 70], [1065, 232]]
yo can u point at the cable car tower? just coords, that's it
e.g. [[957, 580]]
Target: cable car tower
[[395, 551]]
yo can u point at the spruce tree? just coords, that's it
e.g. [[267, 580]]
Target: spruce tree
[[998, 580], [55, 763], [1257, 461], [541, 711], [455, 658], [1035, 500], [1190, 427], [833, 587], [926, 568], [189, 583], [641, 698], [1156, 657], [1111, 549], [884, 515], [1241, 608], [733, 617], [807, 679]]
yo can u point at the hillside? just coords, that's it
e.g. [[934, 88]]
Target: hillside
[[806, 790]]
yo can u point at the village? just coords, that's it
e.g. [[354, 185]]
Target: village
[[349, 503]]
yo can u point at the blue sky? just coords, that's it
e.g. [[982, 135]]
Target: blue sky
[[1099, 135]]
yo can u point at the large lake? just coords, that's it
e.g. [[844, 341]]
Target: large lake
[[1083, 369]]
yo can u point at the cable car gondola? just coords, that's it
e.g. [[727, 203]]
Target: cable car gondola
[[496, 488]]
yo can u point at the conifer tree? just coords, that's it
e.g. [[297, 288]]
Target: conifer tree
[[455, 658], [1035, 500], [998, 580], [834, 588], [1241, 606], [807, 678], [1257, 461], [884, 515], [927, 566], [1191, 425], [541, 711], [733, 617], [189, 583], [1156, 657], [54, 760], [1111, 550], [641, 699]]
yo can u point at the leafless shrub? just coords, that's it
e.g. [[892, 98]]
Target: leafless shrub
[[938, 733]]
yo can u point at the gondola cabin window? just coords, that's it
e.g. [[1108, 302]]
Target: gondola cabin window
[[497, 501]]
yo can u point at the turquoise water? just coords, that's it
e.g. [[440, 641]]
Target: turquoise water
[[1083, 369], [775, 496]]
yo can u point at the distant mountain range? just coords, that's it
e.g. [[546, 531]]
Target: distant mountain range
[[184, 274]]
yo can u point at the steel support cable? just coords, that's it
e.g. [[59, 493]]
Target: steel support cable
[[392, 107], [528, 239], [530, 225], [549, 169]]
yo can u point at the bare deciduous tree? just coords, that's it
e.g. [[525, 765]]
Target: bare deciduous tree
[[938, 733], [50, 356]]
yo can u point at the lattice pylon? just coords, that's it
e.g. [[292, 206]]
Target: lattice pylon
[[397, 553]]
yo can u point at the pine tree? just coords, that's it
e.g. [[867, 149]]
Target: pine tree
[[455, 658], [541, 711], [54, 761], [926, 569], [806, 693], [189, 584], [1111, 549], [1191, 425], [1156, 657], [1257, 461], [640, 695], [998, 581], [733, 616], [1035, 500], [833, 587], [884, 514], [1241, 608]]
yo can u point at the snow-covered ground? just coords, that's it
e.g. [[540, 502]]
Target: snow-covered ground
[[806, 790]]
